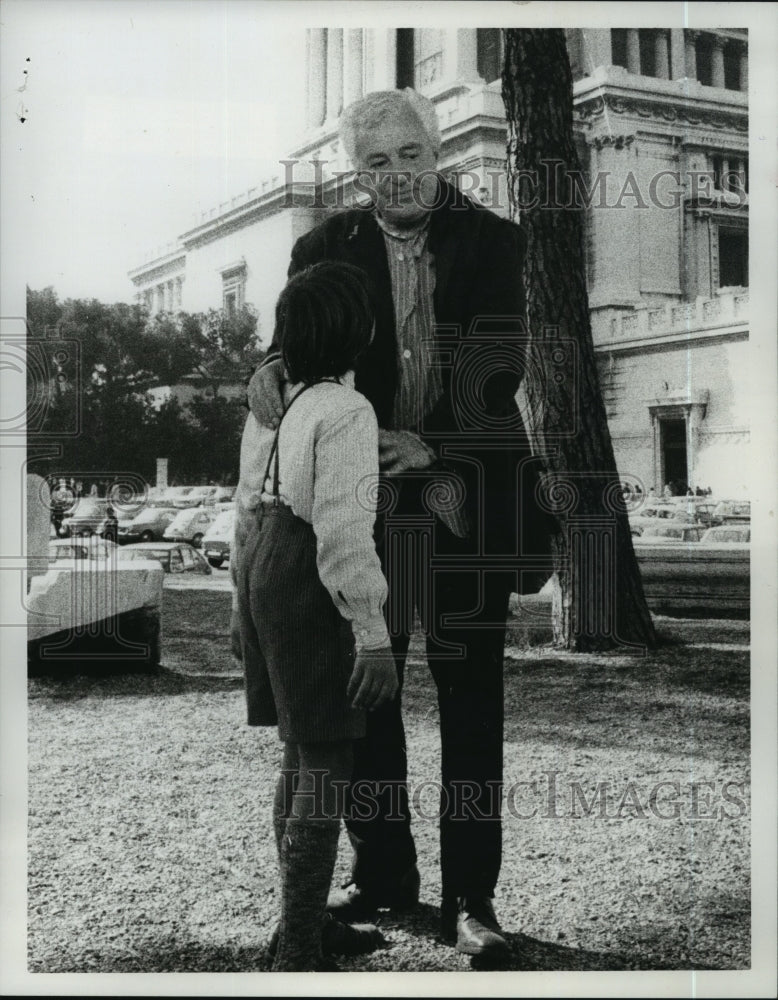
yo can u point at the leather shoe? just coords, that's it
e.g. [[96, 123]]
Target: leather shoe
[[357, 903], [471, 921]]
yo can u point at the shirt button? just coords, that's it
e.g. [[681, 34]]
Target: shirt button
[[401, 256], [406, 353]]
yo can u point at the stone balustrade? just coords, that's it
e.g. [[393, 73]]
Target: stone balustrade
[[729, 307]]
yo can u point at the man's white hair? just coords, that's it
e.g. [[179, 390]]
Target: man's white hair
[[371, 110]]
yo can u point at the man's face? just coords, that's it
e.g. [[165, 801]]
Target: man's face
[[396, 161]]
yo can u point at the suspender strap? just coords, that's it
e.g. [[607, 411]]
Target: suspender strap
[[273, 457]]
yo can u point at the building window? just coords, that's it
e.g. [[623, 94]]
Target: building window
[[731, 67], [405, 57], [619, 47], [489, 53], [704, 52], [733, 257], [640, 59], [730, 173], [233, 287], [648, 43]]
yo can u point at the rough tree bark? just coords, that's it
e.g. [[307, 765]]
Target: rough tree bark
[[599, 602]]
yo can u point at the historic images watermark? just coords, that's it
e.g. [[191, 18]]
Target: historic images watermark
[[307, 182], [550, 795]]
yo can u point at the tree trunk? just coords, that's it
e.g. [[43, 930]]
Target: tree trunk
[[600, 602]]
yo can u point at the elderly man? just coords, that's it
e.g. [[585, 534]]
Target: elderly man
[[458, 528]]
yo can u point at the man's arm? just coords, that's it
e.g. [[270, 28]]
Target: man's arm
[[264, 392]]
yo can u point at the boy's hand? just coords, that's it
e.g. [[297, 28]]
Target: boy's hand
[[374, 679], [264, 394], [399, 451]]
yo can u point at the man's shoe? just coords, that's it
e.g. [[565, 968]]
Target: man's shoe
[[471, 921], [355, 903]]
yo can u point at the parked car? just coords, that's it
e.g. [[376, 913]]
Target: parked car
[[218, 537], [195, 496], [727, 534], [224, 495], [670, 534], [169, 496], [733, 511], [91, 516], [81, 548], [190, 526], [148, 526], [175, 557], [649, 514]]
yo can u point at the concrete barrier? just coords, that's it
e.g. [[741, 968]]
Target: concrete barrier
[[696, 581]]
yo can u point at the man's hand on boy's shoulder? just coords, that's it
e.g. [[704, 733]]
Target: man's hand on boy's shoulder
[[264, 393], [374, 679], [399, 451]]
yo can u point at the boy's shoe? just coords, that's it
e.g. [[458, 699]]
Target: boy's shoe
[[338, 938], [355, 903], [472, 923]]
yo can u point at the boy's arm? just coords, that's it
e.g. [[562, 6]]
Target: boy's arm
[[343, 519]]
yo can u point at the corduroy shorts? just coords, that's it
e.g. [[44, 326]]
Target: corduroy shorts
[[298, 650]]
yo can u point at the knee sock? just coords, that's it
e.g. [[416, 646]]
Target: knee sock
[[308, 851]]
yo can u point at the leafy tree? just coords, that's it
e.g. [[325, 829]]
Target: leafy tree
[[103, 387]]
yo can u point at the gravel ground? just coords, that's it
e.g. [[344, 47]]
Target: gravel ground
[[149, 802]]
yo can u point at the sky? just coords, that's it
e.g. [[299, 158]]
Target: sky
[[138, 114]]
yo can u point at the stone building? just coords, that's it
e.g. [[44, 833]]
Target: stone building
[[661, 119]]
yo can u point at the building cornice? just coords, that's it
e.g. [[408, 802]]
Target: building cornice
[[161, 267], [612, 91]]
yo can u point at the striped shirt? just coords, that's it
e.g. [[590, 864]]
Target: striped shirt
[[419, 382]]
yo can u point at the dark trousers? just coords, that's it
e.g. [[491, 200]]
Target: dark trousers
[[463, 611]]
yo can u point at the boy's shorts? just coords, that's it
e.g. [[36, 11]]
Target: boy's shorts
[[298, 650]]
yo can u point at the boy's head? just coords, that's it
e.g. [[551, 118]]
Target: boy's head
[[324, 321]]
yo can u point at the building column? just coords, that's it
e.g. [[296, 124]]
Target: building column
[[718, 61], [317, 54], [460, 54], [690, 45], [334, 88], [597, 49], [615, 275], [353, 66], [633, 51], [384, 62], [677, 55], [744, 68], [662, 58]]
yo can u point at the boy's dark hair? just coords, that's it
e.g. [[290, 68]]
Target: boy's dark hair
[[324, 321]]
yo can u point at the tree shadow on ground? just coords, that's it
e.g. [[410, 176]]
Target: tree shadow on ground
[[177, 957], [527, 954], [72, 681]]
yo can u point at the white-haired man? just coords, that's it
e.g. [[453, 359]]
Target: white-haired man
[[460, 529]]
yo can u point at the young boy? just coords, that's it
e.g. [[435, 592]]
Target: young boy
[[310, 590]]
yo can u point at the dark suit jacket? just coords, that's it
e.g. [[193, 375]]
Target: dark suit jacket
[[479, 312]]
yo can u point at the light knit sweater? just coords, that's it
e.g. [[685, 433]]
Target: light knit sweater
[[328, 462]]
